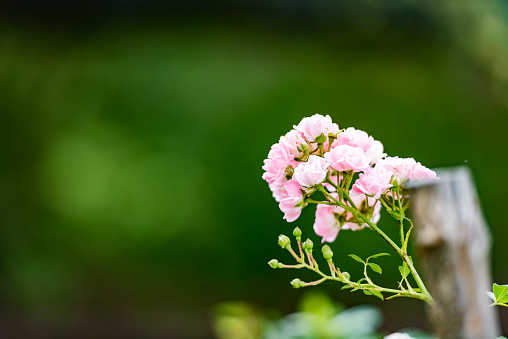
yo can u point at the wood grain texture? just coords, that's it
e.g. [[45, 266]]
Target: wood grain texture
[[453, 245]]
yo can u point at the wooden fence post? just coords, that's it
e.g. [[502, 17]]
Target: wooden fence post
[[453, 244]]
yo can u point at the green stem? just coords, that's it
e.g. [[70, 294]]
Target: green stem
[[498, 304], [314, 283], [401, 220], [418, 280], [350, 201], [312, 201], [321, 150], [330, 181], [427, 297], [360, 286]]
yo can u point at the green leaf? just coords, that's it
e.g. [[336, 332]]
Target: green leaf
[[377, 294], [377, 255], [345, 287], [367, 292], [501, 293], [357, 258], [404, 246], [360, 281], [417, 290], [404, 270], [375, 267]]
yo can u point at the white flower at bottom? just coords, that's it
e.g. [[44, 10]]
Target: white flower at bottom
[[398, 336]]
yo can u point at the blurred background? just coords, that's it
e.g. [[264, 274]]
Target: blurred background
[[132, 135]]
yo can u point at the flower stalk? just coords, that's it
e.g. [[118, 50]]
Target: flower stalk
[[347, 168]]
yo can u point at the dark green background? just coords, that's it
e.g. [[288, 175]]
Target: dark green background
[[131, 146]]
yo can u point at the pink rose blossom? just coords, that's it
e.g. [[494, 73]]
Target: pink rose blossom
[[375, 152], [354, 137], [277, 187], [293, 142], [357, 138], [312, 172], [347, 158], [291, 202], [422, 173], [312, 127], [279, 158], [373, 182], [401, 167], [327, 224], [407, 168]]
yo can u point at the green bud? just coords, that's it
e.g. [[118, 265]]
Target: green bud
[[307, 245], [302, 147], [273, 263], [346, 275], [321, 139], [284, 241], [327, 253], [395, 182], [297, 232], [296, 283]]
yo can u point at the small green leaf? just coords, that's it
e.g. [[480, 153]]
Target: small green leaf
[[357, 258], [375, 267], [404, 270], [377, 294], [501, 293], [404, 246], [377, 255], [360, 281], [345, 287], [367, 292], [417, 290]]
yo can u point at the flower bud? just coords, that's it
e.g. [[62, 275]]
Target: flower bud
[[301, 146], [307, 245], [297, 232], [284, 241], [321, 139], [296, 283], [327, 253], [346, 275], [273, 263]]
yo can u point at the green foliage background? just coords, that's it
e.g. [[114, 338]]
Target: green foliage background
[[131, 197]]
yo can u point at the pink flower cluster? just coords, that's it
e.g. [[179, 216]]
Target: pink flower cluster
[[316, 154]]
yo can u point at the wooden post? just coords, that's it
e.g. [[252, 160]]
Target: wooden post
[[453, 244]]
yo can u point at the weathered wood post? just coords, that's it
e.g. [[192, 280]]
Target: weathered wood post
[[453, 244]]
